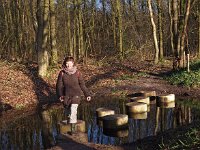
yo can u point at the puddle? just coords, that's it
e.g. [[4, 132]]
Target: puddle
[[40, 131]]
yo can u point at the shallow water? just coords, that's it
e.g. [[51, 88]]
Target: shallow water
[[40, 131]]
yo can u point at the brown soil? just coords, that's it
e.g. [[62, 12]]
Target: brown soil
[[21, 91]]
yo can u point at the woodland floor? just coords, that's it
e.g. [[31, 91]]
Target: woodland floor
[[21, 91]]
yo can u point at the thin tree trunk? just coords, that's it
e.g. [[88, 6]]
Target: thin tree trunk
[[171, 26], [183, 34], [75, 51], [103, 26], [154, 33], [54, 53], [69, 29], [92, 25], [114, 25], [199, 29], [175, 26], [80, 34], [119, 15], [160, 29]]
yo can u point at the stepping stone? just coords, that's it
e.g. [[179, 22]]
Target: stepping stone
[[136, 107], [141, 99], [167, 98], [114, 122], [138, 115], [150, 94], [101, 112], [66, 127], [116, 133]]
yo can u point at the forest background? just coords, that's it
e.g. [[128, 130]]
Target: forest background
[[44, 31], [121, 46]]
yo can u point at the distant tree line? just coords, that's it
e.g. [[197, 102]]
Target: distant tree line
[[46, 30]]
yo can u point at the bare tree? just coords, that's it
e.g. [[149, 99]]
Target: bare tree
[[198, 12], [42, 34], [120, 31], [54, 53], [154, 33], [160, 29]]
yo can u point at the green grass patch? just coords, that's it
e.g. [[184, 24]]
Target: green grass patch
[[182, 77]]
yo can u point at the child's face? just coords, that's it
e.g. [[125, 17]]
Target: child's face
[[69, 64]]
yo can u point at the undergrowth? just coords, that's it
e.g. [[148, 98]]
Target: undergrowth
[[188, 140], [189, 79]]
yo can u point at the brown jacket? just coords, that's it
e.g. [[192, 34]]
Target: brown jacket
[[71, 86]]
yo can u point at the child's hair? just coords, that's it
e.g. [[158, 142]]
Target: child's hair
[[66, 59]]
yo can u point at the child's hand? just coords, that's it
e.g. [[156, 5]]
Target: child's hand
[[88, 98], [61, 98]]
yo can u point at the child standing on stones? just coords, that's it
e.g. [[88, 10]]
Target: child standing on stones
[[69, 87]]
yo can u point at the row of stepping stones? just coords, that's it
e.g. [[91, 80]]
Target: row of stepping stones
[[136, 108], [117, 124]]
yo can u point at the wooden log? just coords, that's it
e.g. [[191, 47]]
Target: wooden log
[[136, 107], [117, 121]]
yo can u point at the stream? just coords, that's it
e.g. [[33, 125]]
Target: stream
[[40, 131]]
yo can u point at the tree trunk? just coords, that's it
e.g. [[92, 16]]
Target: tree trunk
[[75, 20], [54, 53], [171, 26], [103, 26], [160, 29], [175, 26], [182, 46], [154, 33], [69, 29], [120, 34], [114, 25], [42, 34], [80, 34], [199, 30]]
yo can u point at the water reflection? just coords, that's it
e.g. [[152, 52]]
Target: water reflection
[[40, 131]]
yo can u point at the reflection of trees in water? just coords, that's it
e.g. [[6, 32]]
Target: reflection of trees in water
[[182, 115], [22, 134], [158, 120], [39, 131], [167, 118], [50, 119], [87, 112], [31, 132]]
